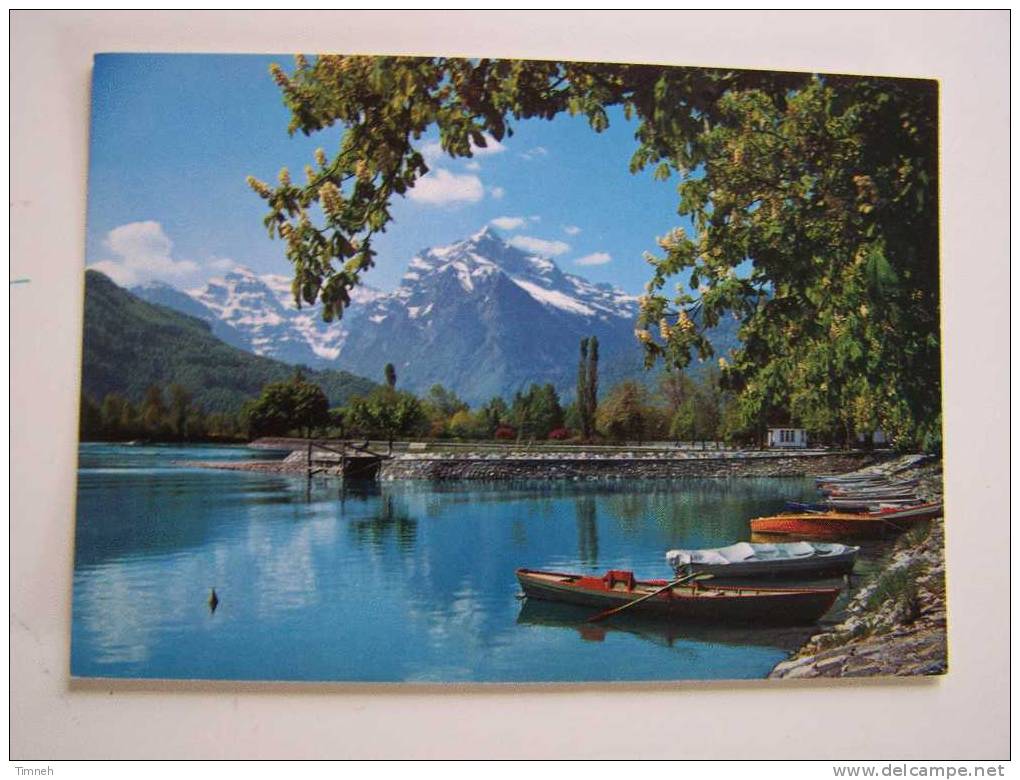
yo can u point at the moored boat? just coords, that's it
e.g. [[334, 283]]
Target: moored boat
[[746, 560], [871, 505], [696, 602], [846, 525]]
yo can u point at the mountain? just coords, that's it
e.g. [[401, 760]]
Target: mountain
[[479, 316], [485, 318], [258, 314], [166, 295], [130, 344]]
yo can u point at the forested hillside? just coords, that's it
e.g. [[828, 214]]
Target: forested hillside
[[130, 345]]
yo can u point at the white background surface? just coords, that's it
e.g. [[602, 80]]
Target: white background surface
[[964, 715]]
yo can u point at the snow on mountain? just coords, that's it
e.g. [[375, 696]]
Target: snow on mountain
[[485, 318], [258, 313], [485, 254], [479, 316]]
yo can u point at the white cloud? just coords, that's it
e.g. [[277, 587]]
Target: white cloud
[[471, 165], [595, 258], [508, 223], [433, 150], [571, 230], [221, 264], [497, 192], [440, 187], [535, 152], [492, 146], [540, 246], [143, 253]]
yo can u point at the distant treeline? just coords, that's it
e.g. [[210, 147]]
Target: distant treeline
[[162, 415], [678, 409], [132, 346]]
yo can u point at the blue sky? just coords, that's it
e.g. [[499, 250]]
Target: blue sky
[[174, 136]]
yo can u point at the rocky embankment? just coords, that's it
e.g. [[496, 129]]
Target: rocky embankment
[[896, 623], [579, 464], [626, 465]]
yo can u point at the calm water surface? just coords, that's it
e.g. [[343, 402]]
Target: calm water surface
[[404, 581]]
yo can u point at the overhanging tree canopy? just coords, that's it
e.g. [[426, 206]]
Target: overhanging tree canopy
[[826, 184]]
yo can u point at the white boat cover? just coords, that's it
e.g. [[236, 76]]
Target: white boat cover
[[742, 552]]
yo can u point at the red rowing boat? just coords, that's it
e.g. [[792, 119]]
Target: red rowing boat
[[846, 525], [695, 602]]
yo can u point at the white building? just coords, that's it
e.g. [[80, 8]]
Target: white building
[[786, 438]]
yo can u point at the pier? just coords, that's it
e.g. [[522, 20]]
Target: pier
[[344, 458]]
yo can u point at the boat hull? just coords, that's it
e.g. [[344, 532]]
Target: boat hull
[[835, 525], [695, 603]]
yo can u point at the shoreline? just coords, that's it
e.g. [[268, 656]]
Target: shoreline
[[661, 464], [895, 625]]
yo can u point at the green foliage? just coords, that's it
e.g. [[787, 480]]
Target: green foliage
[[117, 419], [181, 413], [830, 191], [90, 420], [283, 407], [898, 589], [587, 386], [441, 404], [391, 375], [695, 408], [626, 413], [387, 412], [496, 413], [683, 425], [537, 412], [580, 406], [130, 345], [827, 183], [465, 425]]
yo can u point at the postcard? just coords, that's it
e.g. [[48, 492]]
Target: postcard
[[442, 370]]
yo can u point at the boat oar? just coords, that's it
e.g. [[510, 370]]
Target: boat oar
[[673, 584]]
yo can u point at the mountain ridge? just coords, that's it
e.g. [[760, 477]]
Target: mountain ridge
[[480, 316], [130, 344]]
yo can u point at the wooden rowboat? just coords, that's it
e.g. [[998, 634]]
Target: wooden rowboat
[[846, 525], [744, 560], [696, 602]]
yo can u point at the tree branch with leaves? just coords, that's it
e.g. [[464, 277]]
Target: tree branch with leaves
[[813, 201]]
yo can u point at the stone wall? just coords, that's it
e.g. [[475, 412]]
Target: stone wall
[[616, 467]]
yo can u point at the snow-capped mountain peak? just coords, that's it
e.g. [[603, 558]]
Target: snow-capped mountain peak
[[484, 317], [486, 253], [480, 316], [258, 313]]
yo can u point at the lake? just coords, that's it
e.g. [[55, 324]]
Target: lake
[[390, 582]]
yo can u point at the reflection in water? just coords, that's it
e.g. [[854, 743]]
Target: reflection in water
[[392, 581], [535, 612], [587, 531], [389, 519]]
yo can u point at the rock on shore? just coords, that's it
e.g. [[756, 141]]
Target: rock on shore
[[896, 624]]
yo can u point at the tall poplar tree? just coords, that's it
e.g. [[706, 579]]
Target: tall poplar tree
[[591, 401], [583, 412]]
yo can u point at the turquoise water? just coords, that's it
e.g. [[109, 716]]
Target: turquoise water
[[406, 581]]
